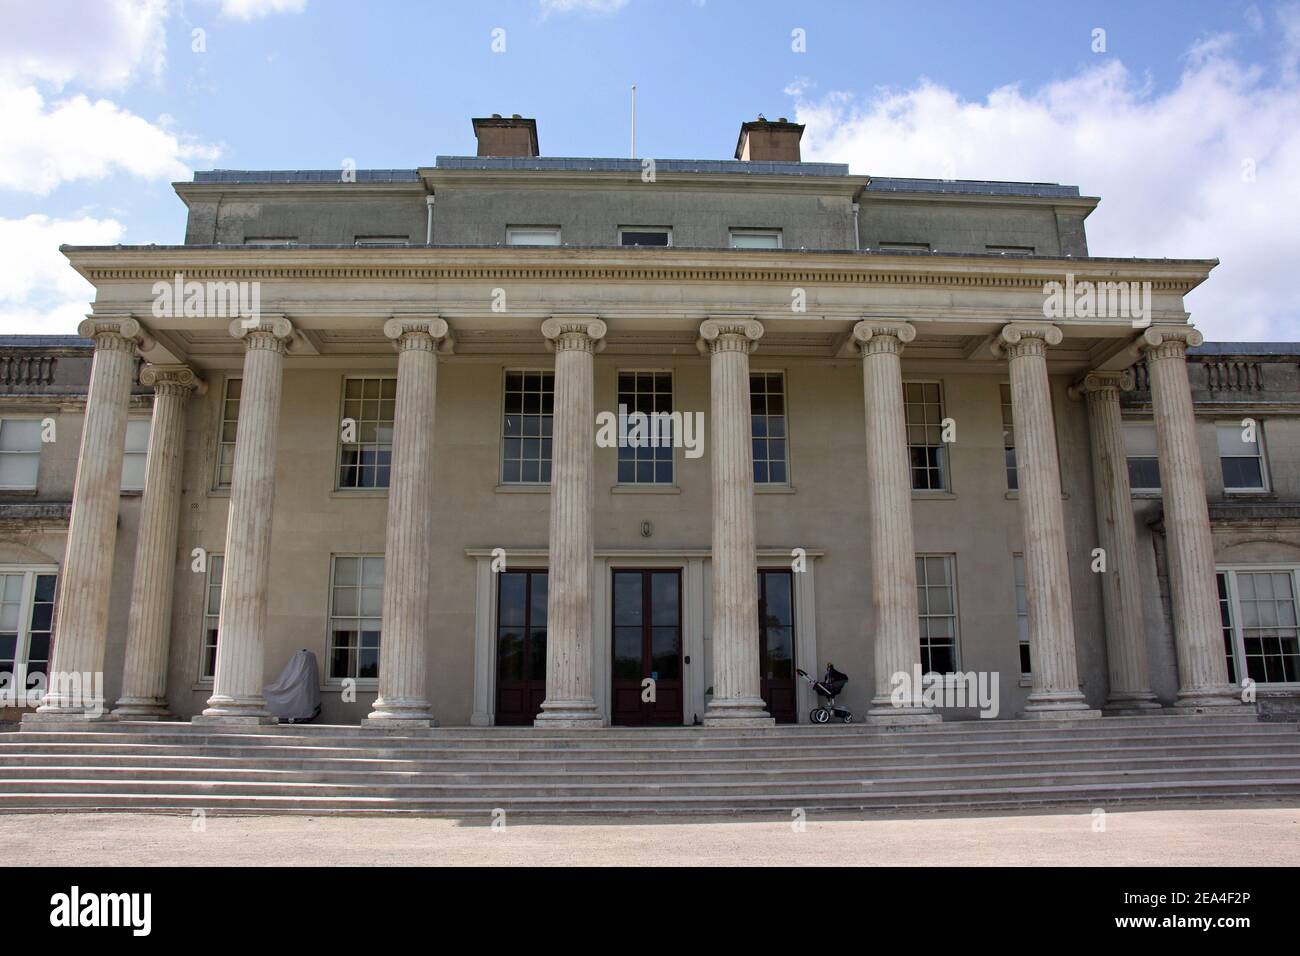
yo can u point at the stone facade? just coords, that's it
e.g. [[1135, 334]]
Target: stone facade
[[382, 550]]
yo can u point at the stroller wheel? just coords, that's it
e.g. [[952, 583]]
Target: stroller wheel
[[819, 715], [848, 717]]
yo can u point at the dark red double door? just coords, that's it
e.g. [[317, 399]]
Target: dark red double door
[[521, 646], [647, 643], [777, 681]]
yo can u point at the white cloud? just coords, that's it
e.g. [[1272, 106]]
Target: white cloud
[[256, 9], [39, 292], [102, 44], [77, 138], [580, 6], [1172, 168]]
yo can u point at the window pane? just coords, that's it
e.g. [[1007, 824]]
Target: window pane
[[19, 470], [363, 461], [755, 240], [637, 237], [647, 458], [20, 435]]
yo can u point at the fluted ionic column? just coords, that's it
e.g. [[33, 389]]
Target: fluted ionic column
[[246, 576], [569, 701], [77, 665], [1047, 574], [408, 552], [737, 700], [1126, 650], [148, 630], [891, 545], [1198, 633]]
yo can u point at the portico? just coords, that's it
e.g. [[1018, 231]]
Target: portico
[[441, 513]]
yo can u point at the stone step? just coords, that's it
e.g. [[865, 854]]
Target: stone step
[[1006, 798], [147, 766], [242, 745], [812, 759], [561, 786], [507, 775], [650, 737]]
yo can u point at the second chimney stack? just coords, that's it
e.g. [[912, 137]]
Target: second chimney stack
[[763, 139], [498, 136]]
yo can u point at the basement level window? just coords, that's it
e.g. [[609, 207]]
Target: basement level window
[[645, 236], [270, 240], [20, 453], [1241, 457], [383, 241], [1010, 250], [904, 247], [1257, 608], [533, 236], [1143, 460], [135, 455], [756, 238], [26, 623]]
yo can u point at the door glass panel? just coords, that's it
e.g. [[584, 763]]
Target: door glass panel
[[666, 652], [537, 610], [663, 598], [778, 604], [780, 653], [510, 654], [511, 606], [627, 652], [627, 599], [537, 652]]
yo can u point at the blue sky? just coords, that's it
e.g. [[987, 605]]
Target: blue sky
[[1186, 124]]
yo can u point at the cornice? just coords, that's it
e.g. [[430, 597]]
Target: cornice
[[500, 264], [435, 177], [211, 192], [1084, 203]]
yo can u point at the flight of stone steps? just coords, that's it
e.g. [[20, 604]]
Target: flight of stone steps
[[473, 771]]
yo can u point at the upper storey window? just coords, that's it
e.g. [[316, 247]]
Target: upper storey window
[[366, 436], [1241, 456], [135, 455], [645, 236], [923, 409], [1143, 460], [756, 238], [533, 235], [20, 453], [526, 427], [648, 461]]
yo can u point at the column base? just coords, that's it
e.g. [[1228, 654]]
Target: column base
[[1131, 704], [738, 712], [1207, 698], [235, 712], [398, 711], [141, 708], [578, 714], [1059, 705]]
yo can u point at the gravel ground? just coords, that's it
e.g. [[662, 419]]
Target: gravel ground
[[1253, 833]]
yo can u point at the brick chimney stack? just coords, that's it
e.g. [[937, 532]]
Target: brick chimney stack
[[498, 136], [763, 139]]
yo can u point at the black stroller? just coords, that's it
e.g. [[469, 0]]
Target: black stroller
[[829, 686]]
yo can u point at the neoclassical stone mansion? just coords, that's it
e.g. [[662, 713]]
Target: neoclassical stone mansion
[[904, 426]]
